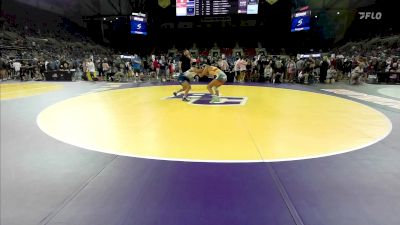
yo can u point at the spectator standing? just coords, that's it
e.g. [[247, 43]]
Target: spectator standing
[[331, 75], [91, 69], [106, 68], [240, 66], [3, 69], [291, 70], [323, 69], [17, 68]]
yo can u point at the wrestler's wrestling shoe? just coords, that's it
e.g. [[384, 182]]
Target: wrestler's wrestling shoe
[[215, 99]]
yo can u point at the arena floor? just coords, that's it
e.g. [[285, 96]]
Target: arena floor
[[95, 153]]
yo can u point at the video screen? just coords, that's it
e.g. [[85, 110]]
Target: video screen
[[215, 7], [301, 21], [138, 25]]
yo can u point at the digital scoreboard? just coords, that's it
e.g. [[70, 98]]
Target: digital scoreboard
[[301, 20], [215, 7], [139, 24]]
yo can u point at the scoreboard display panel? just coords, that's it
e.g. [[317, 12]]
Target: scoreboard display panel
[[139, 25], [215, 7], [301, 21]]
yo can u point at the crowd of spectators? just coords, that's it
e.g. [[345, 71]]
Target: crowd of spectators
[[26, 55]]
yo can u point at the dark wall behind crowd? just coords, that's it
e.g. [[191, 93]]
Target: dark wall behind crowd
[[271, 27]]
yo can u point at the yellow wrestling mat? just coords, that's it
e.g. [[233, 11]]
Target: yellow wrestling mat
[[21, 90], [272, 125]]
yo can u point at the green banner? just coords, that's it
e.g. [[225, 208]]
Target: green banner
[[271, 1], [164, 3]]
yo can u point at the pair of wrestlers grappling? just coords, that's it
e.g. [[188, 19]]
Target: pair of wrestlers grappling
[[185, 78]]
